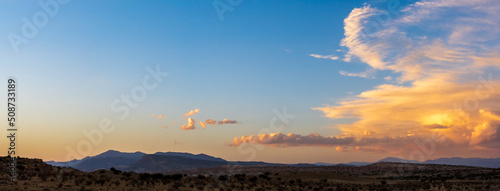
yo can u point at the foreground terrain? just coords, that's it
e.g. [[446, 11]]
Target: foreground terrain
[[34, 174]]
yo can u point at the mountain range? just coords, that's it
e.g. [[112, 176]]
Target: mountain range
[[163, 162]]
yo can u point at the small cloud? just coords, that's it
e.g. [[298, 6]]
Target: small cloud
[[192, 112], [211, 121], [331, 57], [189, 125], [388, 78], [173, 123], [165, 126], [203, 124], [365, 74], [436, 126], [227, 121], [159, 116], [177, 142]]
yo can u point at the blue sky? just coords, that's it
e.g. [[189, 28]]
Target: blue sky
[[241, 68]]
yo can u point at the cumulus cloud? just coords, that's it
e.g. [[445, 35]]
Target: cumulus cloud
[[203, 124], [189, 125], [192, 112], [441, 54], [331, 57]]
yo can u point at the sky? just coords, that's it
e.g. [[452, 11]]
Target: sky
[[275, 81]]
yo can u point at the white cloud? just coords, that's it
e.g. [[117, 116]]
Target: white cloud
[[366, 74], [331, 57]]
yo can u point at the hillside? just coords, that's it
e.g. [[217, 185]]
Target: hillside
[[34, 174]]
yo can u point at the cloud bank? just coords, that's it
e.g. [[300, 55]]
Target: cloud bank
[[444, 58]]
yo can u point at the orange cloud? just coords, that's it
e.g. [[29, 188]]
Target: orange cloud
[[282, 140], [159, 116], [192, 112], [211, 121], [189, 125], [441, 94], [203, 124]]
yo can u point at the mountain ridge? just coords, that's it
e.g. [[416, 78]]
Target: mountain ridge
[[174, 161]]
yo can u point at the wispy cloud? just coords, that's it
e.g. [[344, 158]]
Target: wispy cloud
[[226, 121], [192, 112], [331, 57], [213, 122], [366, 74], [177, 142], [445, 93], [159, 116]]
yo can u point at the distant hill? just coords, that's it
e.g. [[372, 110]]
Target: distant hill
[[34, 174], [164, 163], [104, 160], [392, 159], [158, 162], [343, 164], [192, 156], [178, 161], [479, 162]]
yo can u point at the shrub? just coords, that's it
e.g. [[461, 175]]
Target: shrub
[[223, 177]]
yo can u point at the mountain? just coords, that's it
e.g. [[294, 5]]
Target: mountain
[[343, 164], [94, 164], [70, 163], [192, 156], [176, 161], [164, 163], [478, 162], [117, 154], [392, 159], [104, 160]]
